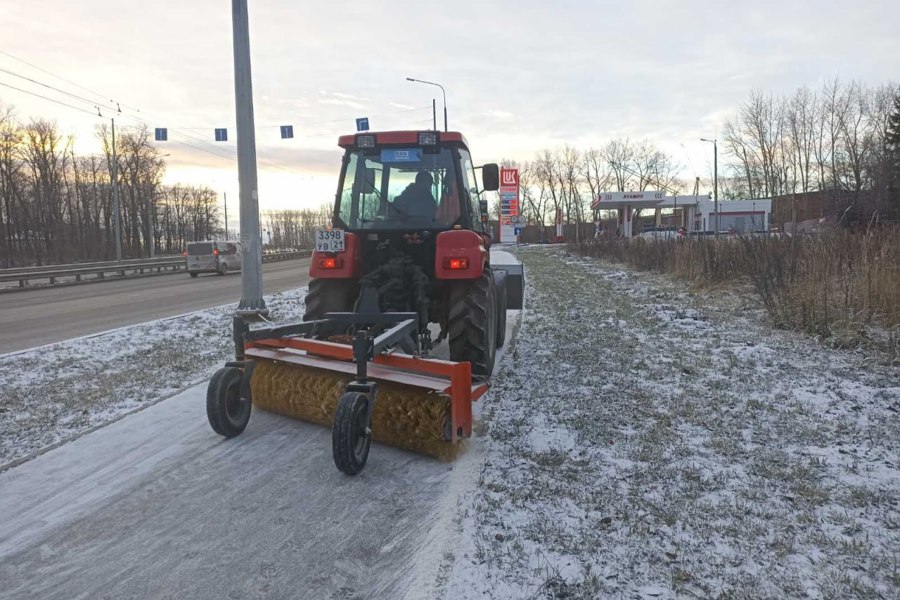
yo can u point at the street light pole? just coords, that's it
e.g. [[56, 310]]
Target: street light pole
[[115, 188], [442, 92], [225, 200], [715, 180], [252, 303]]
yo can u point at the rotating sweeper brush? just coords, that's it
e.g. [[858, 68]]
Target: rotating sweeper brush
[[361, 390]]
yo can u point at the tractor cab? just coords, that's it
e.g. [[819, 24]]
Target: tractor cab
[[410, 181]]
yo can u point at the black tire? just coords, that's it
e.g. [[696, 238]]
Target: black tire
[[228, 412], [501, 310], [351, 436], [194, 274], [329, 295], [472, 323]]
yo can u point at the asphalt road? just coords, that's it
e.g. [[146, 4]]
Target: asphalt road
[[41, 316]]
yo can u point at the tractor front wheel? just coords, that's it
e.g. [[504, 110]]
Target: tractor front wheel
[[329, 295]]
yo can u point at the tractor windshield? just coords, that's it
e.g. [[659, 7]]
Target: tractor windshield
[[399, 188]]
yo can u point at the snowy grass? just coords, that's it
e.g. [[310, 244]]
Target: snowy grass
[[58, 391], [648, 441]]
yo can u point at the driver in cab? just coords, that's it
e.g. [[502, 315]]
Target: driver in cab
[[416, 200]]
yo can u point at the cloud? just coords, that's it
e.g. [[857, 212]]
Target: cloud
[[519, 76]]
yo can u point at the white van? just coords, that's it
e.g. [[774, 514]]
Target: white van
[[213, 257]]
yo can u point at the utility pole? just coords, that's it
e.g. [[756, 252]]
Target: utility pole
[[434, 113], [115, 187], [252, 303], [225, 199], [716, 184], [150, 221], [715, 181]]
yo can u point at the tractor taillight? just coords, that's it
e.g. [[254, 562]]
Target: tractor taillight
[[456, 264], [185, 252], [331, 263], [215, 252]]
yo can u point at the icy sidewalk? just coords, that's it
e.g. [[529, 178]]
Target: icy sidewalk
[[644, 443], [54, 392]]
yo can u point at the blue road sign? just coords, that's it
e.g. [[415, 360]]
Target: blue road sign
[[287, 131], [221, 135], [162, 134], [362, 124], [518, 230]]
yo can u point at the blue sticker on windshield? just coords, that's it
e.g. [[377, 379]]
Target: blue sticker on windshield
[[410, 155]]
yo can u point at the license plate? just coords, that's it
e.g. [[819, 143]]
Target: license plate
[[330, 240]]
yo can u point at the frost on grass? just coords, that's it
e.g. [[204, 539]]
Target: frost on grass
[[57, 391], [646, 442]]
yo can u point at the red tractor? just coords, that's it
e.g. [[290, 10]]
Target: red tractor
[[410, 234], [408, 248]]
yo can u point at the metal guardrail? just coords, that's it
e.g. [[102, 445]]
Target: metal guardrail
[[81, 273]]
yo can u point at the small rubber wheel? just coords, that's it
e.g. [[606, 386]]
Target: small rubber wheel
[[351, 436], [194, 274], [227, 411]]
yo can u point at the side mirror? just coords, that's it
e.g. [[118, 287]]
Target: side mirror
[[490, 177]]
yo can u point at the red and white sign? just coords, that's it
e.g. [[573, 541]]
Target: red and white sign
[[509, 179], [509, 204]]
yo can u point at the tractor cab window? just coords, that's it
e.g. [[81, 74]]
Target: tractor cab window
[[399, 188], [470, 184]]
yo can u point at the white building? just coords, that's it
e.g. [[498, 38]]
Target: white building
[[694, 213]]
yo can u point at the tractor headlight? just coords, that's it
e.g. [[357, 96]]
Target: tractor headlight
[[365, 141]]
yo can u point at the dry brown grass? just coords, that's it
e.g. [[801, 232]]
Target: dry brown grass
[[838, 285]]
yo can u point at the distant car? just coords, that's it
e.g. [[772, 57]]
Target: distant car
[[660, 234], [213, 257]]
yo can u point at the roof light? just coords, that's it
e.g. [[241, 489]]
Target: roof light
[[365, 141], [428, 138], [456, 264]]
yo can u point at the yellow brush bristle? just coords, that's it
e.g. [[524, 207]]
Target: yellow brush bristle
[[405, 416]]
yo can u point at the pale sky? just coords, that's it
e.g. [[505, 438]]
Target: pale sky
[[520, 76]]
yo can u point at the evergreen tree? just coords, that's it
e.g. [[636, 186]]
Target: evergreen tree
[[892, 145], [892, 136]]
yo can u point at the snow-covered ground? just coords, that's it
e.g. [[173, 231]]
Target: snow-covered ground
[[52, 393], [640, 441], [646, 441]]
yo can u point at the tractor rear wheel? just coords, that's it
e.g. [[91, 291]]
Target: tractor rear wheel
[[329, 295], [472, 323]]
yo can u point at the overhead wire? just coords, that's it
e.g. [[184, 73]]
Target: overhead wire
[[48, 98], [48, 86], [60, 77], [112, 104]]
